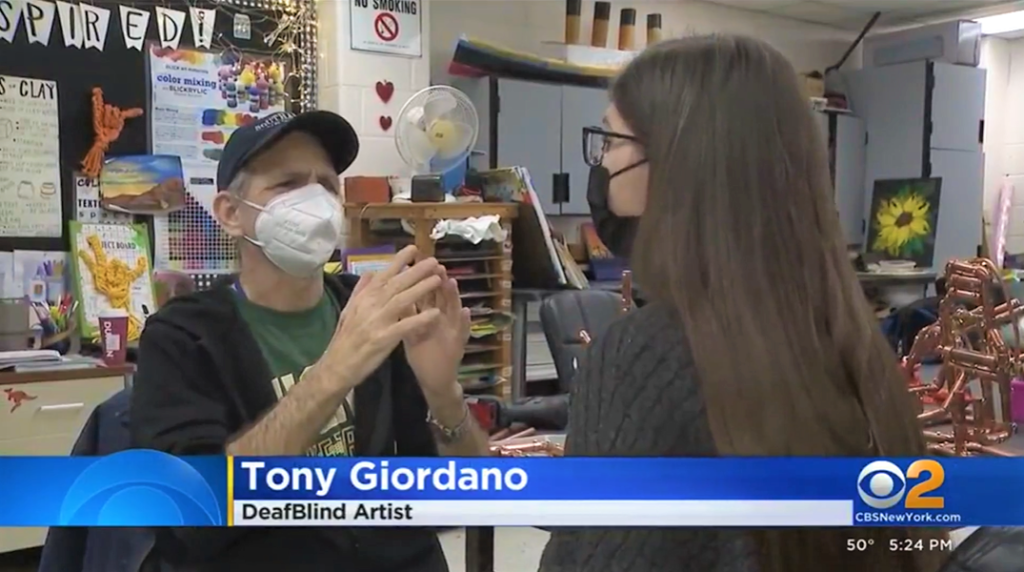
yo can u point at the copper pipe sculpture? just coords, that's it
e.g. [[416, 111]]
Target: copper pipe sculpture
[[513, 445], [967, 339], [627, 303], [627, 291], [500, 435], [584, 337], [535, 448]]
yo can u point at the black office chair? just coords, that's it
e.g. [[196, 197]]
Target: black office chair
[[989, 549], [565, 315]]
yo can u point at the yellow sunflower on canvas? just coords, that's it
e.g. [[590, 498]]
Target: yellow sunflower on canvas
[[904, 215], [902, 221]]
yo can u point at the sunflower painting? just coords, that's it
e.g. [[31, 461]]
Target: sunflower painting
[[904, 220]]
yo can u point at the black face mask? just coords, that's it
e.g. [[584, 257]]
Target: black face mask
[[616, 232]]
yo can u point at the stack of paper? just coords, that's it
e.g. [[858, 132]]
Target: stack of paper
[[9, 359], [43, 360]]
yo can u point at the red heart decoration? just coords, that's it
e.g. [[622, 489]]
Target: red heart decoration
[[385, 89], [385, 122]]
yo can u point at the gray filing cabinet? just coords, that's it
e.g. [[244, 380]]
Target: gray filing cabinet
[[846, 140], [926, 119], [540, 127]]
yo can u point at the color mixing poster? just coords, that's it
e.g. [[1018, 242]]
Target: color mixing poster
[[197, 100]]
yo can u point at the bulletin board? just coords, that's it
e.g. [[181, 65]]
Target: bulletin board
[[282, 29]]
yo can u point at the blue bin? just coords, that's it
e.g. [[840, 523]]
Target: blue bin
[[454, 178], [608, 269]]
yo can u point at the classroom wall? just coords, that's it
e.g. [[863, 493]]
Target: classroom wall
[[348, 78], [1003, 61], [348, 81], [523, 25]]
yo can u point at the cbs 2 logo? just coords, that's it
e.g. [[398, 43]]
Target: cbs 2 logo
[[882, 485]]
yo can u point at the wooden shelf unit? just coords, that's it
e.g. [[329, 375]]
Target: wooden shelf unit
[[492, 267]]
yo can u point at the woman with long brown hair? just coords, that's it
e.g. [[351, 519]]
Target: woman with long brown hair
[[756, 339]]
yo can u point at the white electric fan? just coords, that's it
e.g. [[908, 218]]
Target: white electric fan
[[436, 130]]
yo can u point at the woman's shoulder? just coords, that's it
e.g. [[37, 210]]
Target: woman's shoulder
[[651, 329]]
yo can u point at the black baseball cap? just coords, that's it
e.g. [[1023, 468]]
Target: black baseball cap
[[332, 130]]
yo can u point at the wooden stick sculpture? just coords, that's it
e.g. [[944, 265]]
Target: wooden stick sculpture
[[107, 123], [968, 340]]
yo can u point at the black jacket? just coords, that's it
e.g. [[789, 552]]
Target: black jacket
[[102, 548], [201, 381]]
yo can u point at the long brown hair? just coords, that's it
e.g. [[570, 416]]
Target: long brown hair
[[740, 234]]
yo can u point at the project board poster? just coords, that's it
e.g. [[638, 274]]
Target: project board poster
[[198, 99], [111, 268], [30, 189]]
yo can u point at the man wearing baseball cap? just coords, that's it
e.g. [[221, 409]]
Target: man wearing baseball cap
[[285, 360]]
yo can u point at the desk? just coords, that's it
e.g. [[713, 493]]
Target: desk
[[43, 414], [882, 281]]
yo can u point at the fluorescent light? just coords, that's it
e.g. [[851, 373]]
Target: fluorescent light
[[1002, 23]]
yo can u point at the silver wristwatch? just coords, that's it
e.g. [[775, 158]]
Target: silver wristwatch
[[447, 435]]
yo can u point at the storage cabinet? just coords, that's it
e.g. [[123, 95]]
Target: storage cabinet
[[925, 119], [540, 127], [528, 120], [57, 406], [845, 139]]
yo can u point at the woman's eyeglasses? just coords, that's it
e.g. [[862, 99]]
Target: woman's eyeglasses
[[597, 141]]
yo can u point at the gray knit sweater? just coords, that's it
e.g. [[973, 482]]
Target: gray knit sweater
[[636, 395]]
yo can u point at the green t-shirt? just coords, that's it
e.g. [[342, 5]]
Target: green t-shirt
[[291, 342]]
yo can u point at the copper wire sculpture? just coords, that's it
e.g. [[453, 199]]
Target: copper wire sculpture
[[967, 339], [505, 444]]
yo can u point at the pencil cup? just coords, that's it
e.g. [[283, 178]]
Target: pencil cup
[[54, 289], [114, 336]]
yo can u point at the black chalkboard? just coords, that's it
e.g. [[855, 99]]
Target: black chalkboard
[[122, 74]]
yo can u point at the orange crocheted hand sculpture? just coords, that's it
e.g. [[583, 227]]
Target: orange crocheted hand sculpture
[[107, 123]]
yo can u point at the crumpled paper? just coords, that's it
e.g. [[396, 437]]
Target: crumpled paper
[[474, 229]]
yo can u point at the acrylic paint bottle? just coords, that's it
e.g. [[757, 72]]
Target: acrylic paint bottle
[[599, 33], [627, 28], [573, 11], [653, 29]]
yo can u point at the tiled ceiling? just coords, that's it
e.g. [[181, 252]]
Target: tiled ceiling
[[854, 14]]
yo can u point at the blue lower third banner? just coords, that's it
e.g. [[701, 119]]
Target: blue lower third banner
[[147, 488]]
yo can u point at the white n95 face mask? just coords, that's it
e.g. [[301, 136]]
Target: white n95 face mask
[[299, 230]]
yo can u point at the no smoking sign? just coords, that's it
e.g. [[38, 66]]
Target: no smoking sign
[[387, 26]]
